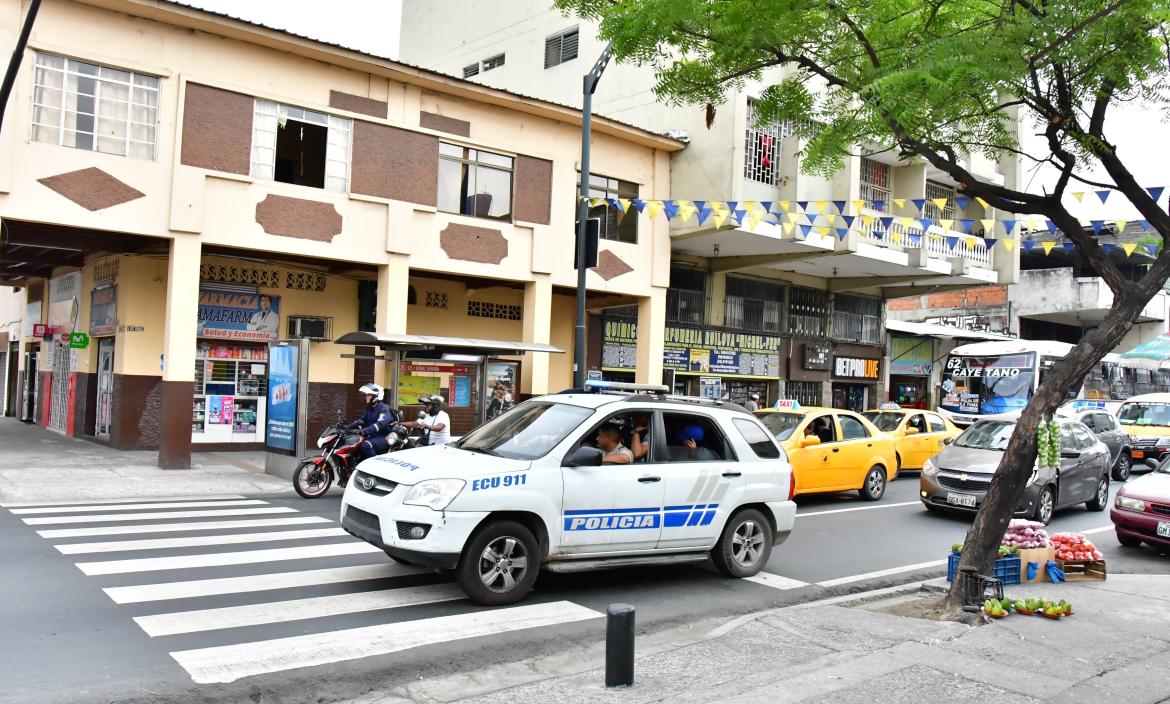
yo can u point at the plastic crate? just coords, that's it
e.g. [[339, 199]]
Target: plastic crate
[[1007, 569]]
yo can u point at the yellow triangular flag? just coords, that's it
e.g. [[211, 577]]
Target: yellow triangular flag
[[1047, 247], [899, 202], [867, 220], [858, 205], [785, 205], [897, 237], [946, 224], [988, 226], [789, 228], [1120, 225], [981, 202], [653, 208], [815, 206], [625, 206], [824, 231], [1008, 243], [685, 210], [1129, 247], [940, 202], [1078, 195], [719, 216], [748, 205], [754, 217], [594, 202]]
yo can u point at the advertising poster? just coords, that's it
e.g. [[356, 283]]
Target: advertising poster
[[411, 386], [711, 387], [229, 407], [695, 351], [500, 388], [214, 409], [280, 425], [229, 315], [460, 391], [103, 311], [64, 307]]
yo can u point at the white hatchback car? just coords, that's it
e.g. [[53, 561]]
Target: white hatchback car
[[528, 489]]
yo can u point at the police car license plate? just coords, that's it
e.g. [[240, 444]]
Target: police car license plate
[[960, 499], [1164, 529]]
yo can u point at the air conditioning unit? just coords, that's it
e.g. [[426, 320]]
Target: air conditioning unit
[[309, 328]]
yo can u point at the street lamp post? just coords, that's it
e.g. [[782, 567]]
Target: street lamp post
[[588, 87]]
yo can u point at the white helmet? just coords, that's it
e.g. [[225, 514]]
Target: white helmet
[[372, 390], [436, 401]]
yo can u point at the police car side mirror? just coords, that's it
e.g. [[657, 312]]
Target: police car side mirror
[[583, 457]]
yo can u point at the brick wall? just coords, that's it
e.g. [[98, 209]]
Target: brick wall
[[983, 296]]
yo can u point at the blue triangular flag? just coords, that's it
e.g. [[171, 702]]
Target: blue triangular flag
[[879, 205], [926, 223], [849, 220], [840, 206], [989, 242], [918, 203], [703, 210], [842, 232], [803, 205], [1028, 245], [1097, 225], [639, 204], [1103, 195], [670, 207], [614, 204], [961, 202], [1156, 192], [1051, 226], [886, 221], [915, 240], [767, 206], [1152, 249], [952, 242], [1008, 226], [1068, 247], [738, 214], [806, 229], [1145, 224], [965, 224], [732, 205], [1108, 247]]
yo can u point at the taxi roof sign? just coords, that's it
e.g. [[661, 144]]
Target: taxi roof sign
[[889, 406], [786, 404]]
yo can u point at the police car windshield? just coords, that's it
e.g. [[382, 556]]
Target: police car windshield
[[884, 421], [987, 435], [781, 424], [526, 432]]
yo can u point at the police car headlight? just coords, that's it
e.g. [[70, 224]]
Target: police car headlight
[[436, 494], [930, 469]]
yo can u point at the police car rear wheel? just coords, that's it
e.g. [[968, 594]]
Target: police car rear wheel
[[499, 564], [744, 547]]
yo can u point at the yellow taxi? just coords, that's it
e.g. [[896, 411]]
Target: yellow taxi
[[832, 449], [918, 435]]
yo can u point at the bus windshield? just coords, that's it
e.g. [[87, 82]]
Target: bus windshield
[[1144, 413], [988, 384]]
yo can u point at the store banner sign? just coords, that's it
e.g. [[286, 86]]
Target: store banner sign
[[696, 351], [230, 315], [856, 368], [816, 357], [911, 355], [103, 311], [280, 423]]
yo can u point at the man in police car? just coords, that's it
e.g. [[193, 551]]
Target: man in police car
[[609, 441]]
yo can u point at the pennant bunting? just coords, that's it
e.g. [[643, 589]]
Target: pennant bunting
[[766, 205], [1108, 247], [1129, 247], [946, 224], [842, 233], [887, 221], [824, 230], [965, 224], [1079, 195], [840, 206], [982, 202], [961, 202], [653, 208], [951, 242], [789, 228], [754, 218], [988, 226], [625, 205], [732, 205], [1068, 247], [738, 214], [719, 217], [702, 211], [639, 204], [685, 210], [594, 202], [1097, 225], [896, 237], [806, 230], [858, 205], [1008, 226], [1008, 244], [919, 204], [879, 205], [989, 243], [1152, 249], [1156, 192], [849, 220], [899, 202], [1051, 226], [926, 223], [940, 203], [1120, 225], [1103, 195], [1047, 247], [669, 207], [1028, 245], [1145, 224]]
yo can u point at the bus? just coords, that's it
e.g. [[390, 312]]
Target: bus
[[997, 379]]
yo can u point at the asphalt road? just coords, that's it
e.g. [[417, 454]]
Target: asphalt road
[[313, 615]]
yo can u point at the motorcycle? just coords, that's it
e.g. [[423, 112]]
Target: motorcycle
[[340, 456]]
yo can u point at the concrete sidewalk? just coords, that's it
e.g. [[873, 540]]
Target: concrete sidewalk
[[39, 465], [1116, 647]]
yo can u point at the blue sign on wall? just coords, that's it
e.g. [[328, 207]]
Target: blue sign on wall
[[281, 421], [461, 391]]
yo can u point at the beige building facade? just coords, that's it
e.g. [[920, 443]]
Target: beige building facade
[[178, 189]]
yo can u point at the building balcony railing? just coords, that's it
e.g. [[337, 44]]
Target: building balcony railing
[[937, 242]]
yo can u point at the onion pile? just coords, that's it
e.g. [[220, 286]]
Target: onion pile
[[1025, 534]]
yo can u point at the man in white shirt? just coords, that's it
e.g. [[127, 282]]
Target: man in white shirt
[[435, 420], [265, 319]]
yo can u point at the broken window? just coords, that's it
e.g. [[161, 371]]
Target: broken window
[[301, 147]]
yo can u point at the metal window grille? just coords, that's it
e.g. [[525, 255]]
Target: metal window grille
[[615, 225], [686, 299], [471, 70], [493, 62], [269, 117], [97, 108], [857, 319], [560, 47], [806, 393], [939, 190], [875, 183], [808, 312], [753, 303], [488, 309], [762, 148]]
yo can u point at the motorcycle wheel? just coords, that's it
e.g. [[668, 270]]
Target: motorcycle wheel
[[312, 480]]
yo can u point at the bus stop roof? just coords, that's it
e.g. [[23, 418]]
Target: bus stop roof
[[1153, 354], [436, 343]]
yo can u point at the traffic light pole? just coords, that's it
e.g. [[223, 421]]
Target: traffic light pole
[[588, 87]]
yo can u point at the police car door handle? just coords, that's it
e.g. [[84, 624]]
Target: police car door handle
[[649, 480], [732, 474]]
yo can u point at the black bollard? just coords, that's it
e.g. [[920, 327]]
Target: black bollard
[[619, 645]]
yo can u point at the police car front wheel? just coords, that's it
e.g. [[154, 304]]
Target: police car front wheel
[[499, 564], [745, 545]]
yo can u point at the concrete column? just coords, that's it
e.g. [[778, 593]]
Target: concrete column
[[178, 362], [651, 336], [716, 311], [390, 316], [537, 327]]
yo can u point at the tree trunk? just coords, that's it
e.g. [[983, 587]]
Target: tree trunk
[[981, 547]]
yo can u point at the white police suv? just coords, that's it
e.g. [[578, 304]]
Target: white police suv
[[531, 489]]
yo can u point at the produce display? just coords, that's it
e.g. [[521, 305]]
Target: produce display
[[997, 609], [1048, 444], [1025, 534], [1004, 550], [1072, 547], [1051, 609]]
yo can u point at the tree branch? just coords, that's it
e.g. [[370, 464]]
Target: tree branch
[[1074, 30]]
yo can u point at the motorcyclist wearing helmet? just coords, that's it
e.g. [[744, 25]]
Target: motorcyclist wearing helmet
[[434, 420], [376, 421]]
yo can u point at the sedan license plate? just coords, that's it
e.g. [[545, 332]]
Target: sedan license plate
[[960, 499], [1138, 454], [1164, 529]]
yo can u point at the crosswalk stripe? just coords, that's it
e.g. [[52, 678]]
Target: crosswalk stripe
[[165, 591], [220, 559], [776, 581], [135, 507], [296, 609], [178, 527], [123, 500], [197, 541], [229, 663], [114, 517]]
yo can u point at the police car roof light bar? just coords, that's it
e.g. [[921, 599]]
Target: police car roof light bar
[[596, 385]]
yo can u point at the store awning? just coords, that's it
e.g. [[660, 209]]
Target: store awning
[[942, 332], [1152, 355], [451, 345]]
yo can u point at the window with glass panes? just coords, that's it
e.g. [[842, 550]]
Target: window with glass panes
[[475, 182], [98, 108], [299, 146], [686, 299], [857, 319], [761, 160], [806, 393], [875, 183], [939, 190], [615, 225], [753, 303], [808, 312]]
